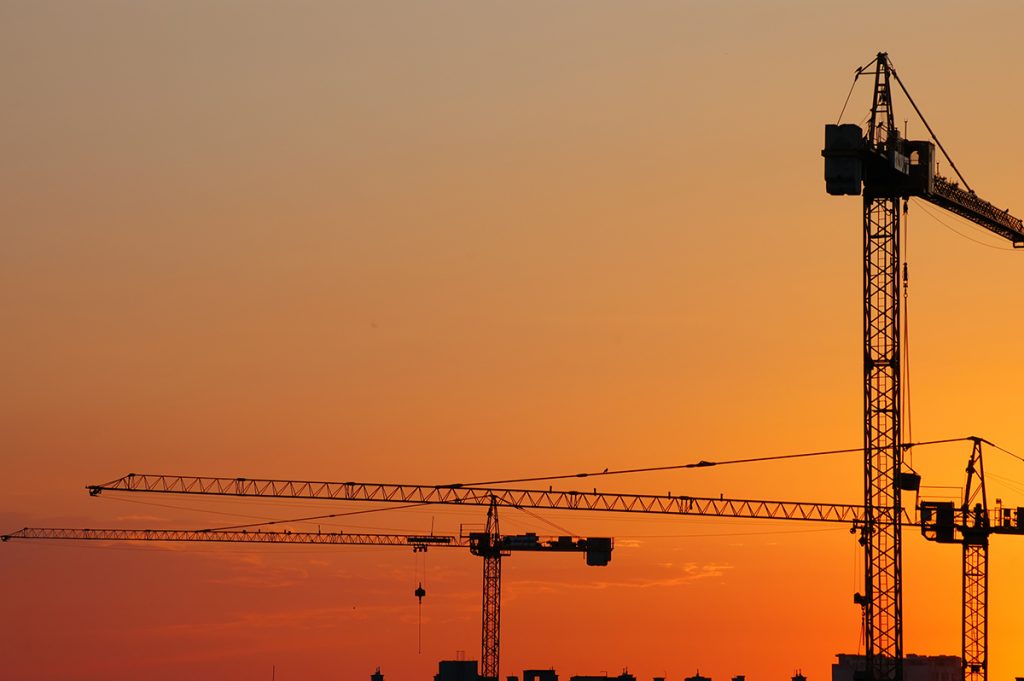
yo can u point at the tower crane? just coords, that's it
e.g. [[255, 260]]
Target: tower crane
[[886, 168], [970, 525], [486, 543], [489, 545]]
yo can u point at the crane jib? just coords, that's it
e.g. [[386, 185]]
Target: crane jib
[[481, 496]]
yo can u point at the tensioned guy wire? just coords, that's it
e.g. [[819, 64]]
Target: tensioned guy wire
[[857, 74], [265, 520], [698, 464], [320, 517], [1005, 451], [545, 520], [933, 216]]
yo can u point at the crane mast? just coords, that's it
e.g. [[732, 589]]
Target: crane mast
[[975, 531], [488, 546], [881, 534]]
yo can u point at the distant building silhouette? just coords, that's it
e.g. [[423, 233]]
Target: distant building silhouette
[[457, 670], [624, 676], [739, 677], [915, 668], [539, 675], [698, 677], [799, 676], [377, 676]]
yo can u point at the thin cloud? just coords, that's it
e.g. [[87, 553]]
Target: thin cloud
[[264, 578], [142, 519], [256, 622], [688, 574]]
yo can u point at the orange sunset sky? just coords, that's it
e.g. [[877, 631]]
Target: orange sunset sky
[[432, 242]]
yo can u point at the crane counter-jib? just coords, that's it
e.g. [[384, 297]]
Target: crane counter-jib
[[667, 504]]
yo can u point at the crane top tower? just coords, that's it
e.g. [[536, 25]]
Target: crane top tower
[[880, 163]]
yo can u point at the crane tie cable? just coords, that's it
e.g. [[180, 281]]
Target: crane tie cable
[[857, 74], [930, 131], [1006, 451], [698, 464], [314, 517], [923, 206]]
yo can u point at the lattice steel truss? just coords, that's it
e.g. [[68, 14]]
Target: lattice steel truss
[[975, 530], [975, 610], [490, 640], [417, 542], [668, 504], [883, 601]]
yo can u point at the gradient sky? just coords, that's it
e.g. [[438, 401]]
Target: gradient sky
[[451, 241]]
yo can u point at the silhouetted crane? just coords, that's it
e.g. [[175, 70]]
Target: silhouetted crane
[[486, 544], [489, 544], [970, 525], [889, 168]]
